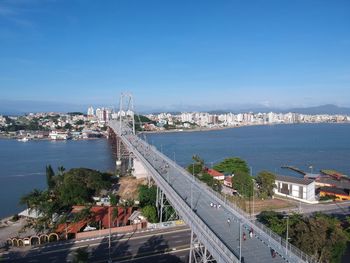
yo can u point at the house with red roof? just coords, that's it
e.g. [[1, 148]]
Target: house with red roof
[[215, 174]]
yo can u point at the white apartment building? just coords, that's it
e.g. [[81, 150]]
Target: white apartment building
[[91, 111]]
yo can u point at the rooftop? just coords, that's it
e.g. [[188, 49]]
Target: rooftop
[[333, 190], [214, 173], [295, 180]]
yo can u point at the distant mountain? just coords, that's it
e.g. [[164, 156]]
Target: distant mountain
[[323, 109], [20, 107]]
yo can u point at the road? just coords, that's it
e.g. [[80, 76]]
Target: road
[[166, 245], [339, 209]]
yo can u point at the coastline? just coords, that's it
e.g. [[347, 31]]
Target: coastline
[[205, 129]]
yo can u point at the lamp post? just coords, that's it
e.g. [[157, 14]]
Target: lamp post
[[251, 175], [287, 217], [240, 241], [109, 238]]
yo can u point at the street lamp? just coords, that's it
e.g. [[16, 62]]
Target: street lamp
[[311, 169], [286, 216], [240, 241], [109, 238]]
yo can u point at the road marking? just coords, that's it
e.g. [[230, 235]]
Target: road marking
[[147, 255], [113, 241]]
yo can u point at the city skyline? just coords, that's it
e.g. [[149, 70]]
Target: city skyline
[[227, 55]]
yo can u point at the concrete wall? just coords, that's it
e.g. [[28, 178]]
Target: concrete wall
[[139, 169], [103, 232]]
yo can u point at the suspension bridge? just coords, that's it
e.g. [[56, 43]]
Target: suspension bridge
[[218, 234]]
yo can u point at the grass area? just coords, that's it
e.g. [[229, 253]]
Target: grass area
[[260, 205]]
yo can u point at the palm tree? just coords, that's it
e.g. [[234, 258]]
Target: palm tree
[[61, 170], [81, 256], [32, 199]]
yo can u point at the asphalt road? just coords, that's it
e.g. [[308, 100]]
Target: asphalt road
[[167, 245], [340, 209]]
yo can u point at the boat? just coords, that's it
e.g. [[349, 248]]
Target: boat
[[24, 139]]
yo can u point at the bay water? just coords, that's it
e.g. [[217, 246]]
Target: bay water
[[322, 146]]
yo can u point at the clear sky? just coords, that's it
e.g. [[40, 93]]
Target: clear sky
[[175, 53]]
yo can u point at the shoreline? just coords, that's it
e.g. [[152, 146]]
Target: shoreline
[[204, 129], [199, 129]]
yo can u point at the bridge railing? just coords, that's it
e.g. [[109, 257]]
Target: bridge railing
[[292, 254], [191, 218], [264, 231]]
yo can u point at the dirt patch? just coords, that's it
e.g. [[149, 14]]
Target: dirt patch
[[128, 187], [270, 204]]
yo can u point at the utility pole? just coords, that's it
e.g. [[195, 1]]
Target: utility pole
[[109, 238], [287, 217], [253, 199]]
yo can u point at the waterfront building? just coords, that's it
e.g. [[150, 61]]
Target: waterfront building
[[300, 189], [337, 193], [59, 135]]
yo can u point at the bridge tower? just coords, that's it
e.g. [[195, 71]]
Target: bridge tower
[[126, 114]]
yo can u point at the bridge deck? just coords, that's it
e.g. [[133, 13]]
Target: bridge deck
[[197, 197]]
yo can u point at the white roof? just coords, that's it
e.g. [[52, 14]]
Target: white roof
[[31, 213]]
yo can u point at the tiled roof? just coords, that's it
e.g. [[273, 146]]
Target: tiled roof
[[100, 213], [333, 190], [214, 173]]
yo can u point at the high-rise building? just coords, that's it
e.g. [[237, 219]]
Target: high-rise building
[[90, 111]]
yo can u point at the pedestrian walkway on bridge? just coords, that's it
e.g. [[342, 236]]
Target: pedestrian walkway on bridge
[[230, 226]]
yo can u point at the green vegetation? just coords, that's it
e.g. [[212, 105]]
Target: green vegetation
[[150, 212], [141, 120], [81, 255], [79, 122], [75, 113], [320, 235], [196, 168], [147, 198], [242, 181], [68, 126], [65, 189], [266, 183], [233, 165], [147, 195]]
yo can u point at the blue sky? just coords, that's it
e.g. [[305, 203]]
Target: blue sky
[[176, 53]]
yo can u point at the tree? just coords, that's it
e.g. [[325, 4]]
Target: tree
[[266, 183], [79, 122], [150, 213], [197, 166], [84, 214], [208, 179], [50, 180], [32, 199], [81, 255], [319, 235], [113, 199], [68, 126], [147, 195], [243, 183], [232, 165]]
